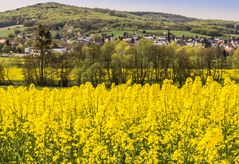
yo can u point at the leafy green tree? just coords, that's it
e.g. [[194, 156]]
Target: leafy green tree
[[6, 48], [120, 63], [108, 49], [2, 76], [90, 68], [168, 61], [182, 67], [62, 67], [16, 32], [234, 59], [20, 48], [58, 36], [142, 62], [1, 46]]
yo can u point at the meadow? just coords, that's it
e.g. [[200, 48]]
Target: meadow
[[10, 30], [177, 33], [124, 124]]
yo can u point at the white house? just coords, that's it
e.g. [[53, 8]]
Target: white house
[[29, 50], [85, 41], [61, 50], [32, 50]]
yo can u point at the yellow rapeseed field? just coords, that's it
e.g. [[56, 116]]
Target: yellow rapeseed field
[[123, 124]]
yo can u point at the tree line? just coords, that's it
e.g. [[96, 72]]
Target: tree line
[[117, 62]]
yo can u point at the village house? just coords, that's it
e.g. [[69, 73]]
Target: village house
[[33, 51], [162, 40], [107, 38], [30, 50], [2, 41], [131, 41], [229, 45], [181, 41], [61, 50], [84, 40]]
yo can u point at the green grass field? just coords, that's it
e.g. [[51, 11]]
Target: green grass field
[[232, 35], [6, 31], [177, 33], [121, 32], [187, 34]]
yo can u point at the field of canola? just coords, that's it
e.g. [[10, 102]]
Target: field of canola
[[123, 124]]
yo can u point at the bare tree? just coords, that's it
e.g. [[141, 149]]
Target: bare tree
[[43, 42]]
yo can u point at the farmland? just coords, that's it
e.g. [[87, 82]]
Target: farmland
[[92, 85], [126, 124], [6, 31]]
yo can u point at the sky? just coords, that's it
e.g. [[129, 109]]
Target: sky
[[207, 9]]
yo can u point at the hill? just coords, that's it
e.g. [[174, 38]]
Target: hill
[[63, 18]]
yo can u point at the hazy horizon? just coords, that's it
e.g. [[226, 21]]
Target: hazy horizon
[[213, 9]]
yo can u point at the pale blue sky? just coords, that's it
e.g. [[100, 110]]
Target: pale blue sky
[[212, 9]]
